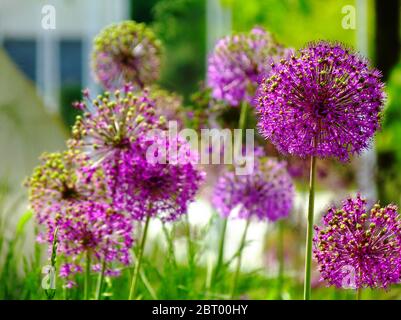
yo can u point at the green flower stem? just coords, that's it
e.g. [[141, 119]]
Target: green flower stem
[[280, 258], [135, 276], [239, 259], [190, 247], [52, 291], [358, 295], [87, 275], [309, 230], [220, 257], [170, 244], [100, 280], [241, 124], [242, 116], [148, 286]]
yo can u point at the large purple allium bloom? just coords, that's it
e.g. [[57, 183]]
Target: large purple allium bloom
[[94, 229], [267, 193], [116, 132], [237, 62], [112, 122], [325, 102], [65, 193], [156, 182], [126, 52], [111, 126], [357, 248], [62, 181]]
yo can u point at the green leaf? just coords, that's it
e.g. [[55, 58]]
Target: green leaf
[[23, 221]]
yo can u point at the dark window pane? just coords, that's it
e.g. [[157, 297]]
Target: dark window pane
[[23, 53], [70, 62]]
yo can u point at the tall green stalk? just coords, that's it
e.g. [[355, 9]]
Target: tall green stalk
[[220, 256], [358, 294], [135, 276], [87, 275], [190, 246], [100, 280], [242, 116], [51, 292], [170, 244], [309, 230], [147, 285], [280, 258], [239, 259]]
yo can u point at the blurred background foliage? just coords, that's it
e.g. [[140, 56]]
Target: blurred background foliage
[[180, 24], [388, 142], [294, 22]]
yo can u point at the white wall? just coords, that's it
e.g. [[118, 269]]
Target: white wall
[[77, 19], [74, 18]]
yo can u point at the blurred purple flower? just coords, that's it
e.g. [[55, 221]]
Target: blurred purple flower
[[91, 228], [267, 193], [61, 181], [126, 52], [237, 62], [168, 105]]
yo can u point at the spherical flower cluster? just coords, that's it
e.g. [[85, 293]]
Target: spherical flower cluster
[[237, 62], [356, 248], [267, 193], [168, 105], [117, 133], [126, 52], [160, 180], [112, 122], [95, 230], [325, 102], [62, 181], [67, 194], [111, 126]]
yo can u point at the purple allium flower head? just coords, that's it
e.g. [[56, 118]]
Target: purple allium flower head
[[267, 193], [126, 52], [92, 228], [117, 133], [325, 102], [237, 62], [112, 122], [156, 183], [67, 194], [60, 181], [359, 248], [168, 105], [111, 126]]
